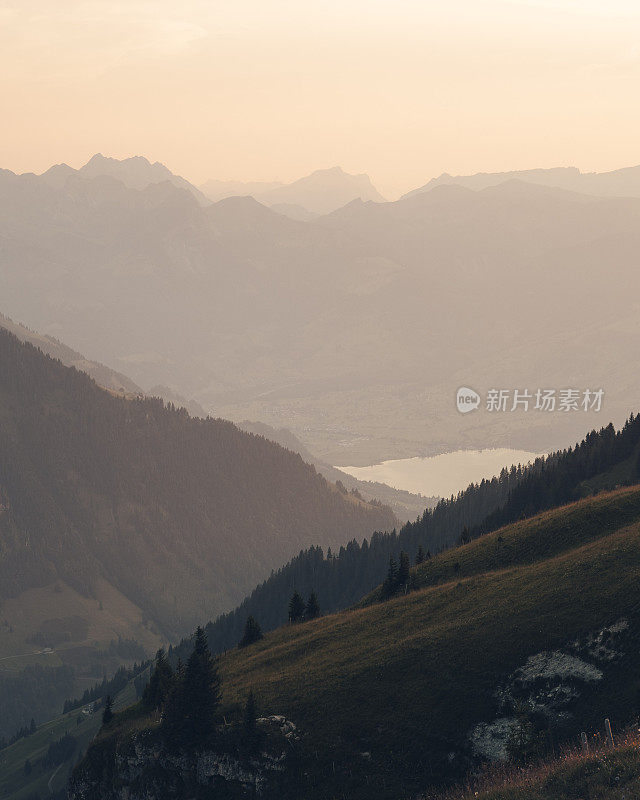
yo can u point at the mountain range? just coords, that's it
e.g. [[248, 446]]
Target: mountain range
[[318, 326], [617, 183]]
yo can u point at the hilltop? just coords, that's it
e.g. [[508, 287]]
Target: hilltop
[[402, 694]]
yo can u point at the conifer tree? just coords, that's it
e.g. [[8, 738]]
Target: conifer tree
[[296, 607], [28, 769], [160, 683], [313, 607], [201, 690], [32, 727], [420, 556], [403, 571], [107, 714], [174, 718], [391, 581], [252, 633]]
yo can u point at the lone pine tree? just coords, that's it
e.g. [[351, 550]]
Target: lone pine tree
[[313, 607], [190, 715], [252, 633], [201, 688], [296, 607]]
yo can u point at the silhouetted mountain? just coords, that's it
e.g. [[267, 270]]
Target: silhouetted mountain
[[218, 190], [618, 183], [137, 173], [322, 192], [318, 326]]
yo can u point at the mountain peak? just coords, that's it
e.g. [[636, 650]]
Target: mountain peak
[[137, 172], [323, 191]]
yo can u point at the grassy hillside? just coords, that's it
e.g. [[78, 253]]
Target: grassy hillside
[[604, 773], [390, 693]]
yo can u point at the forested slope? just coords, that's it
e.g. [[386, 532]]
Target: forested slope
[[603, 460], [181, 515]]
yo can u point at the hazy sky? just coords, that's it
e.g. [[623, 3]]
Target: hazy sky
[[271, 89]]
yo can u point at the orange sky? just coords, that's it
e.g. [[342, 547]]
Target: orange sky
[[272, 89]]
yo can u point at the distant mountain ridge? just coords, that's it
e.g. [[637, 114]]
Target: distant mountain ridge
[[136, 172], [340, 328], [617, 183], [321, 192]]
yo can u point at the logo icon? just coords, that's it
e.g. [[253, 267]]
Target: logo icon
[[467, 400]]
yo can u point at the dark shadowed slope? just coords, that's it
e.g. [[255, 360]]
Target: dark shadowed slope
[[182, 516]]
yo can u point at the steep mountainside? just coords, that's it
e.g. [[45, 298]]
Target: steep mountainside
[[405, 505], [396, 696], [101, 374], [95, 488], [250, 312], [603, 460]]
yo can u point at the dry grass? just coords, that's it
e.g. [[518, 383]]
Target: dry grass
[[604, 773]]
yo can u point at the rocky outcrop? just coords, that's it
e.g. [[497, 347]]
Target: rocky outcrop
[[549, 684], [141, 767]]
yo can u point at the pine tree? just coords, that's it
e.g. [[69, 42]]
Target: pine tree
[[420, 556], [107, 714], [28, 769], [403, 571], [391, 581], [32, 727], [201, 690], [296, 607], [465, 536], [160, 683], [174, 719], [252, 633], [313, 607]]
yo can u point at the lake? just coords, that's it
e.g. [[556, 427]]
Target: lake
[[442, 475]]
